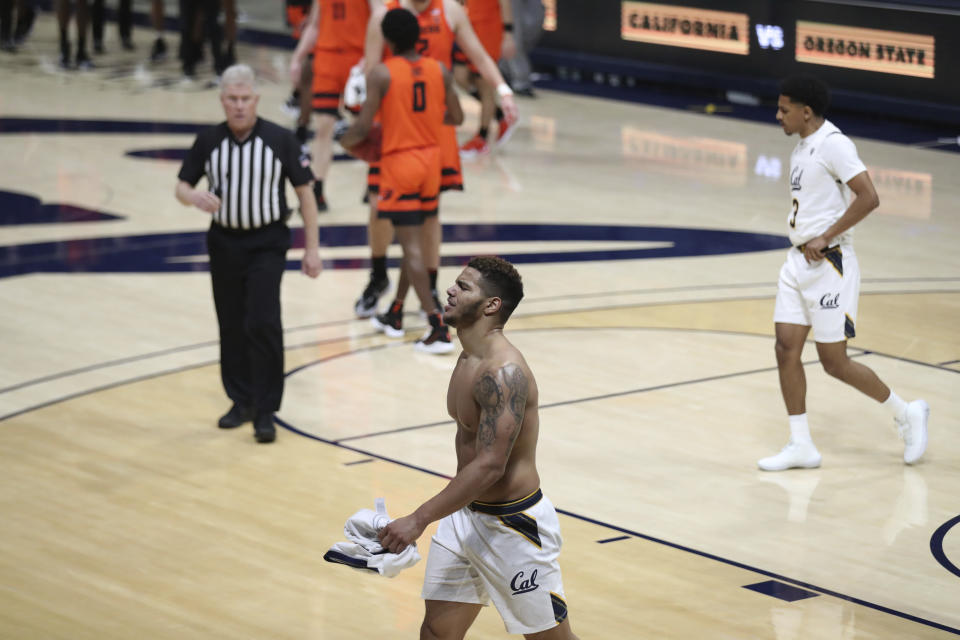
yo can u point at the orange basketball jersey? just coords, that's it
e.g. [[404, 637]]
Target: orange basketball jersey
[[343, 24], [413, 107], [483, 11], [436, 37]]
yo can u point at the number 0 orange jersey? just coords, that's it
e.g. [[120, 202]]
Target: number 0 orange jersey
[[412, 109]]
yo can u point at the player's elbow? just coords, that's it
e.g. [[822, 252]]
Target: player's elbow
[[492, 470]]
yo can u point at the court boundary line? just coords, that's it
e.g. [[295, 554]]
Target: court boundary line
[[936, 546], [288, 426], [604, 396], [334, 323], [181, 369], [606, 525]]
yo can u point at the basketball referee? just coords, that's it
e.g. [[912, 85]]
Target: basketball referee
[[246, 161]]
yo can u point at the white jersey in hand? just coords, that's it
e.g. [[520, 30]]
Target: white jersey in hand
[[820, 167]]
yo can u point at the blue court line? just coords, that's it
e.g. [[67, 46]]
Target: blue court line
[[365, 460], [105, 387], [148, 356], [617, 539], [604, 396], [862, 352], [740, 285], [332, 323], [164, 352], [936, 546], [636, 534], [942, 531], [785, 592], [13, 125]]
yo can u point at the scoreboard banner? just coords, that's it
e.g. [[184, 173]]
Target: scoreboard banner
[[690, 27], [907, 54], [888, 49]]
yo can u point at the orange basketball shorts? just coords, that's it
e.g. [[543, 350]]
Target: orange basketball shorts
[[331, 68], [409, 185]]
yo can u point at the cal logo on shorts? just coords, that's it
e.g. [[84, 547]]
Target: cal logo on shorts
[[520, 585]]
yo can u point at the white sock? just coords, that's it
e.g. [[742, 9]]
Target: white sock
[[896, 406], [799, 429]]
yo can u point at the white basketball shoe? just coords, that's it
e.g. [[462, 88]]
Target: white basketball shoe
[[913, 430], [802, 455]]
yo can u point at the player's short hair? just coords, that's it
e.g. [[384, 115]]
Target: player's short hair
[[238, 74], [807, 89], [501, 279], [401, 28]]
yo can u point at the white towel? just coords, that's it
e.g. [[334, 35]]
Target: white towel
[[355, 89], [363, 550]]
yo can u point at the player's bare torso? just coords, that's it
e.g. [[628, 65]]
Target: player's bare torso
[[475, 377]]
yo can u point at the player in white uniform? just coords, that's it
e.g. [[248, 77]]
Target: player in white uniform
[[819, 286], [498, 537]]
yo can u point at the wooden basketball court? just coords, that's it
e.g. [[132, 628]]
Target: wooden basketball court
[[649, 240]]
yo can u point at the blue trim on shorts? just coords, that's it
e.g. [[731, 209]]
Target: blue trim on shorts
[[507, 508]]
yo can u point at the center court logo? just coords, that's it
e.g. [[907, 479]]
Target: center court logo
[[519, 585], [518, 243]]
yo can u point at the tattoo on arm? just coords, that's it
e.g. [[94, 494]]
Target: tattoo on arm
[[490, 396], [517, 387]]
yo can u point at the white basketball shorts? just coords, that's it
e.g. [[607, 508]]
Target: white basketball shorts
[[822, 294], [505, 552]]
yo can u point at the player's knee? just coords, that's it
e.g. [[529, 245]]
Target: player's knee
[[325, 124], [786, 351], [429, 631], [834, 366]]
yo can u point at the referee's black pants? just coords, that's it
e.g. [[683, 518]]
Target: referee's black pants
[[205, 14], [124, 19], [246, 268]]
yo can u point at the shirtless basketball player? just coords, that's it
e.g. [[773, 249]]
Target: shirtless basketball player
[[499, 537]]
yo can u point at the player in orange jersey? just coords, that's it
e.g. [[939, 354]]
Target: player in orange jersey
[[442, 23], [335, 32], [413, 96], [493, 22]]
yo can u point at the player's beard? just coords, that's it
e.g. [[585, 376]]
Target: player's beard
[[466, 317]]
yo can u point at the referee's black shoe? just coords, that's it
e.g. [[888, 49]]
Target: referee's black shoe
[[237, 416], [263, 429]]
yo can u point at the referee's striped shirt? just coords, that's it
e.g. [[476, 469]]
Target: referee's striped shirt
[[248, 176]]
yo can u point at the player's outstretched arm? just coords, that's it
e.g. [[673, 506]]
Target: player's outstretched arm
[[454, 114], [508, 48], [373, 44], [502, 397], [308, 38], [468, 41]]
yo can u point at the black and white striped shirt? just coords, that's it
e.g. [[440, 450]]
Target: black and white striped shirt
[[248, 176]]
